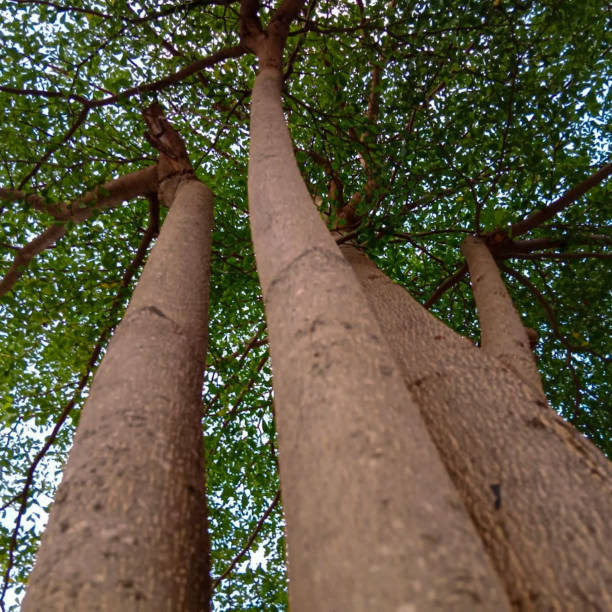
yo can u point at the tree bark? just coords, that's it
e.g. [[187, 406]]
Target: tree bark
[[539, 493], [372, 519], [502, 333], [127, 530]]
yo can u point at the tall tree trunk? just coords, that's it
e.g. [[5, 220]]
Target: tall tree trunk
[[127, 530], [503, 335], [539, 493], [372, 519]]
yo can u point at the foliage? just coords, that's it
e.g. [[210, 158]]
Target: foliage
[[485, 111]]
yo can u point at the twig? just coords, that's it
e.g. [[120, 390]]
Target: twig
[[550, 313], [25, 255], [249, 542], [67, 136], [445, 285], [176, 77], [254, 342]]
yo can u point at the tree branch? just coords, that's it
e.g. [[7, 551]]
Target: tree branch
[[249, 19], [28, 252], [549, 312], [43, 93], [67, 136], [249, 542], [537, 244], [445, 285], [538, 217], [287, 11], [296, 50], [176, 77], [135, 184], [254, 342], [111, 193], [557, 255]]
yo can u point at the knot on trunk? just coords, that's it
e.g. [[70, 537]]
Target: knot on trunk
[[173, 166]]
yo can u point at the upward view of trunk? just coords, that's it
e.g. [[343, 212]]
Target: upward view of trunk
[[503, 335], [539, 493], [127, 530], [372, 519]]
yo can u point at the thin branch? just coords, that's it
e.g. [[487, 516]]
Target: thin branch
[[62, 9], [24, 255], [549, 312], [591, 238], [538, 217], [136, 20], [288, 10], [561, 256], [43, 93], [254, 342], [177, 7], [67, 136], [502, 152], [537, 244], [441, 231], [249, 18], [154, 86], [575, 380], [346, 237], [249, 542], [175, 77], [139, 183], [154, 214], [298, 45], [245, 390], [421, 248], [445, 285], [235, 408]]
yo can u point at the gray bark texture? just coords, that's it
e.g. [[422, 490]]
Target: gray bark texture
[[127, 530], [538, 492], [502, 333], [372, 519]]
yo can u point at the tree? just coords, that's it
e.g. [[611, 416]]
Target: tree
[[413, 127], [132, 496]]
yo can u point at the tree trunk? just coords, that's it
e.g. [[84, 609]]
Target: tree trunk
[[539, 493], [372, 519], [502, 333], [127, 530]]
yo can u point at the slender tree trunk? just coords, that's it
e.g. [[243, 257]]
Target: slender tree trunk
[[372, 519], [127, 530], [539, 493], [502, 333]]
